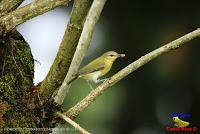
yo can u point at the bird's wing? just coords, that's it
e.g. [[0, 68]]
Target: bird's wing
[[91, 67], [87, 71]]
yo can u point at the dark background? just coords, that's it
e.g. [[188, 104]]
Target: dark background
[[142, 102]]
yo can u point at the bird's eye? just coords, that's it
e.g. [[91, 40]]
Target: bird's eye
[[112, 55]]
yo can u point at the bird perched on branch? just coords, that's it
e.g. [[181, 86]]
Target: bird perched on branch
[[97, 68]]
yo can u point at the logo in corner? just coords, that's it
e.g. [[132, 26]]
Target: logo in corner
[[180, 123]]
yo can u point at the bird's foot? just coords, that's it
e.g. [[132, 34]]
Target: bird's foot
[[89, 84], [102, 80]]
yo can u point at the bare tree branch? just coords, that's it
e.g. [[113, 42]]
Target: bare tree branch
[[8, 5], [83, 44], [74, 111], [67, 48], [74, 124], [38, 7]]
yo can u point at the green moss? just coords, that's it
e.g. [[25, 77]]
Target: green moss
[[7, 82], [16, 79]]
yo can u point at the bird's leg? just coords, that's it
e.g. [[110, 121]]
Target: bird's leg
[[89, 84], [102, 80]]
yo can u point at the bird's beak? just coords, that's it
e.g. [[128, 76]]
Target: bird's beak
[[121, 55]]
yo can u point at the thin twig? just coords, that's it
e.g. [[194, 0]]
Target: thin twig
[[16, 17], [83, 44], [74, 111], [74, 124], [67, 48]]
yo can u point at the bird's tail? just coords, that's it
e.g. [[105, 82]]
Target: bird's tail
[[74, 77]]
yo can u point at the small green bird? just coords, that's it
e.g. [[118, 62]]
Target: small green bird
[[97, 68]]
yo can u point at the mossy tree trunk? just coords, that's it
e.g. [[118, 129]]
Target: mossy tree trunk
[[16, 80]]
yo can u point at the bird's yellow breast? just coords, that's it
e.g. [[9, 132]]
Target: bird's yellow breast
[[107, 67]]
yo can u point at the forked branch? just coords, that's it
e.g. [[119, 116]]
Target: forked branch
[[67, 48], [16, 17], [83, 44]]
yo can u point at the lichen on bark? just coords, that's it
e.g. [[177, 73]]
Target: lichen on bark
[[8, 5]]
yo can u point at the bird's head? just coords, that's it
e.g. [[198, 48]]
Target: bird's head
[[112, 56]]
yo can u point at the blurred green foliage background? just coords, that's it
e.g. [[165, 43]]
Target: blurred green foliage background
[[142, 102]]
